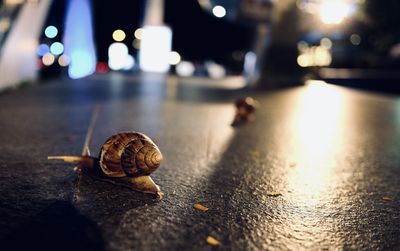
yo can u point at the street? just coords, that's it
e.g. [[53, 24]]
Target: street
[[318, 168]]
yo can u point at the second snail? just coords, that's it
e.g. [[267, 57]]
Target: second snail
[[126, 159]]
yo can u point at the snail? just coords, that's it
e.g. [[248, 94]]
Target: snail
[[126, 158], [245, 109]]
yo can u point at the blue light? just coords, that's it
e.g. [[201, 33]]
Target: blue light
[[78, 39], [42, 49], [57, 48], [51, 31]]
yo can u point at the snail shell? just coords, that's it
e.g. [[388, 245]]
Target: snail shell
[[130, 154]]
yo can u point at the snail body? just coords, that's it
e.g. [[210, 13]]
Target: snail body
[[126, 158]]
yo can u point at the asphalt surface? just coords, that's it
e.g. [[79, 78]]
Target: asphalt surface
[[310, 172]]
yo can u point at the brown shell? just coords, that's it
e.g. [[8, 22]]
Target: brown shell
[[129, 154]]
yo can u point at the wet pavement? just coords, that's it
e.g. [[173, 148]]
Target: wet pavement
[[310, 172]]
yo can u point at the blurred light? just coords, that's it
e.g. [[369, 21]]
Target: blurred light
[[334, 11], [118, 57], [302, 46], [101, 67], [155, 47], [136, 44], [12, 2], [174, 58], [326, 43], [51, 31], [315, 56], [42, 49], [355, 39], [138, 33], [63, 60], [185, 69], [48, 59], [219, 11], [4, 24], [117, 50], [57, 48], [322, 56], [118, 35], [250, 61], [129, 62], [304, 60], [215, 70], [78, 39]]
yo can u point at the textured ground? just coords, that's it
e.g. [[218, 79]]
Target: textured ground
[[331, 152]]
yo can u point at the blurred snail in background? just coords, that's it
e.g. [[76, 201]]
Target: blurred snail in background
[[126, 158], [245, 109]]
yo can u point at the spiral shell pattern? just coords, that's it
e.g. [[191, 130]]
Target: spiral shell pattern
[[129, 154]]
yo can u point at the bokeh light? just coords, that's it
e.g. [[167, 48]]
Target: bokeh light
[[63, 60], [51, 31], [42, 49], [355, 39], [219, 11], [48, 59], [138, 33], [215, 71], [118, 35], [185, 69], [174, 58], [326, 43], [57, 48], [334, 12]]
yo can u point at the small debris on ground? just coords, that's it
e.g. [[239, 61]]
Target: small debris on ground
[[200, 207], [212, 241], [274, 194], [387, 198]]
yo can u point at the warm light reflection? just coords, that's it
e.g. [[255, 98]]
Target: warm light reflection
[[318, 125]]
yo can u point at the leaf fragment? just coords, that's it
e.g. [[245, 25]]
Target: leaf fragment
[[212, 241], [200, 207]]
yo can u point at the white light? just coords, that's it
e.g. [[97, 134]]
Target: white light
[[117, 54], [250, 60], [215, 70], [48, 59], [51, 31], [155, 47], [117, 49], [185, 69], [219, 11], [174, 58], [334, 11], [129, 62], [57, 48]]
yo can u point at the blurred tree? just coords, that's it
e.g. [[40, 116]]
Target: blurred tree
[[381, 31]]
